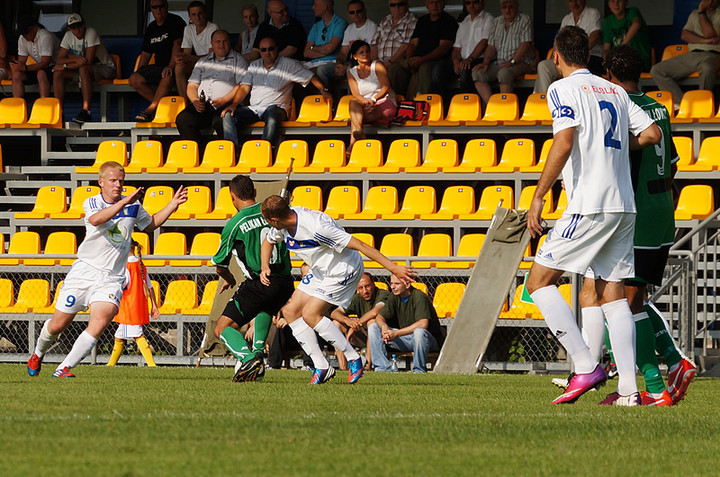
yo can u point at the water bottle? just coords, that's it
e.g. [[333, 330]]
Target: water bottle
[[393, 364], [202, 96]]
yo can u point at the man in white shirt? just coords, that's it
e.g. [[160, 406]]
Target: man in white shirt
[[82, 58], [335, 270], [590, 20], [96, 279], [42, 46], [591, 120], [196, 43]]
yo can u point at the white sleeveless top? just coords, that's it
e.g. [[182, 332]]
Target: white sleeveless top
[[370, 86]]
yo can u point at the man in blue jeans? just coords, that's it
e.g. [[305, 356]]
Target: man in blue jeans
[[407, 322], [269, 82]]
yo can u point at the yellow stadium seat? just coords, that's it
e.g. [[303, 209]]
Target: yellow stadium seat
[[447, 298], [254, 154], [199, 202], [167, 110], [291, 150], [696, 202], [500, 108], [672, 51], [695, 104], [12, 111], [684, 147], [403, 153], [419, 200], [380, 200], [433, 245], [127, 190], [181, 295], [526, 199], [421, 286], [7, 293], [365, 238], [478, 153], [57, 243], [2, 243], [560, 207], [307, 196], [182, 155], [145, 155], [441, 153], [516, 153], [365, 153], [464, 107], [665, 98], [204, 243], [470, 245], [314, 109], [51, 307], [536, 112], [206, 302], [167, 243], [489, 200], [50, 199], [456, 201], [382, 286], [437, 111], [342, 201], [107, 151], [224, 208], [342, 113], [395, 245], [708, 158], [46, 113], [219, 154], [76, 211], [33, 293], [328, 154], [542, 160], [157, 197], [519, 310], [144, 240]]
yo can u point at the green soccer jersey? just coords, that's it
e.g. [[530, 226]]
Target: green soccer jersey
[[614, 30], [652, 172], [243, 235]]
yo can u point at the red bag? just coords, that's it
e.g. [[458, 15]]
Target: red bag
[[410, 111]]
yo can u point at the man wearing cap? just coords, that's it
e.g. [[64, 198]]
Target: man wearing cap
[[42, 46], [82, 58]]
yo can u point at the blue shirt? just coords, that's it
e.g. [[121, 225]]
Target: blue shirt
[[321, 34]]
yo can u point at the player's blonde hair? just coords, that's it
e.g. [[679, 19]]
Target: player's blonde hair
[[110, 165]]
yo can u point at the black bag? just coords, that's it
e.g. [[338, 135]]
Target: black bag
[[410, 111]]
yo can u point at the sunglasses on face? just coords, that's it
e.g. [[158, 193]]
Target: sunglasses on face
[[399, 4], [324, 33], [354, 12], [269, 48]]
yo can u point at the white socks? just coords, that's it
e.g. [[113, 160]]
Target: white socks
[[45, 340], [621, 328], [334, 336], [308, 341], [593, 330], [561, 321], [82, 347]]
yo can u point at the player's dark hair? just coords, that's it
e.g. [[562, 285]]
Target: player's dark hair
[[571, 43], [196, 3], [625, 63], [356, 45], [275, 207], [243, 187]]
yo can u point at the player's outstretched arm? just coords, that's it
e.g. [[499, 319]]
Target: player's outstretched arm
[[163, 214], [228, 278], [103, 215], [404, 273]]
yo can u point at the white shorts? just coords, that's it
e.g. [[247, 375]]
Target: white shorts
[[84, 285], [602, 242], [128, 331], [333, 289]]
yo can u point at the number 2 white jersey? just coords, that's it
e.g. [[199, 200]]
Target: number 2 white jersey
[[106, 246], [597, 174], [321, 243]]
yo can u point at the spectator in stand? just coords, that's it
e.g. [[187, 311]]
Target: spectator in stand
[[325, 36], [373, 100], [365, 305], [430, 46], [590, 20], [195, 44], [84, 59], [360, 29], [509, 54], [407, 322], [4, 66], [42, 46], [250, 18], [288, 32], [470, 44], [393, 34], [702, 33], [212, 85], [626, 26], [268, 82], [162, 38]]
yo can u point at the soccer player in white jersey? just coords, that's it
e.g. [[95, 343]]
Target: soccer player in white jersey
[[335, 270], [591, 120], [96, 279]]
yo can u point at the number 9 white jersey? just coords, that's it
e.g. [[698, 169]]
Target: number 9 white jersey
[[597, 174]]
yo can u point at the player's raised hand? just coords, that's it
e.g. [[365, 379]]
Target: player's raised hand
[[405, 273], [181, 195]]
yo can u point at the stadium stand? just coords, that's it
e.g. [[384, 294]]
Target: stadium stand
[[182, 155], [167, 243], [342, 201], [418, 201], [181, 295], [380, 201], [307, 196]]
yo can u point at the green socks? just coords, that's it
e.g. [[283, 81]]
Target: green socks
[[262, 328], [663, 342], [645, 353], [235, 343]]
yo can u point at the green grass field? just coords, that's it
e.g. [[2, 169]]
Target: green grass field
[[130, 421]]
